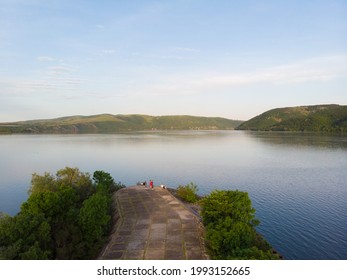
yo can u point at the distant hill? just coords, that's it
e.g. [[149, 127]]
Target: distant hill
[[107, 123], [322, 118]]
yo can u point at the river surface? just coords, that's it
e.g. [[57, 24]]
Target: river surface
[[297, 182]]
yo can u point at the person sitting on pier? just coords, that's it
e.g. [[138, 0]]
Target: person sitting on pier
[[144, 184]]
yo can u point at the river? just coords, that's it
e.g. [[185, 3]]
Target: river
[[297, 181]]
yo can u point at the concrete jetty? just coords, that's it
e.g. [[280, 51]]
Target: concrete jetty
[[154, 225]]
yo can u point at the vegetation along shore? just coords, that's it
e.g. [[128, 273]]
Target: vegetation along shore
[[70, 215]]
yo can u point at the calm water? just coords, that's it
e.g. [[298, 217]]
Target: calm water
[[297, 182]]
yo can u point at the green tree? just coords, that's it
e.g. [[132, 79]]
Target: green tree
[[35, 252], [227, 236], [39, 183], [188, 192], [67, 176], [94, 216], [60, 209], [230, 227], [78, 180], [45, 203], [23, 234], [234, 204], [65, 217], [103, 178], [105, 183], [95, 219]]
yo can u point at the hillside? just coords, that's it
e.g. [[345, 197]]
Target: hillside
[[320, 118], [107, 123]]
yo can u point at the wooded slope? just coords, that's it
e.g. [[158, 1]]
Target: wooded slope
[[320, 118], [107, 123]]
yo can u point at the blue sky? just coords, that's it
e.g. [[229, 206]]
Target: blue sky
[[233, 59]]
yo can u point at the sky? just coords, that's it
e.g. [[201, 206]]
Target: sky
[[225, 58]]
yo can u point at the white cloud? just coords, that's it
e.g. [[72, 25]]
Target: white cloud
[[320, 69], [60, 70], [45, 58], [316, 69], [65, 79]]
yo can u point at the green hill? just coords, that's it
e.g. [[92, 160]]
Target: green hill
[[320, 118], [107, 123]]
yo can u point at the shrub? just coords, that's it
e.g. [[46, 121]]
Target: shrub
[[188, 192], [234, 204], [230, 227]]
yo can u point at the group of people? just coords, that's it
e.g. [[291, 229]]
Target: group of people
[[151, 185]]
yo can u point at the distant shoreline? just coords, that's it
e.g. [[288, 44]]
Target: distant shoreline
[[107, 123]]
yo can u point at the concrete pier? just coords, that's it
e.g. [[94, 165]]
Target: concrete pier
[[154, 225]]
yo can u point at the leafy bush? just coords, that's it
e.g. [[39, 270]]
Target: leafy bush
[[234, 204], [188, 192], [230, 227]]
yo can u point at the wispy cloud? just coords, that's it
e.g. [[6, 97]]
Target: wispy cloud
[[45, 58], [320, 69], [24, 88], [58, 78], [64, 79], [108, 51], [315, 69], [60, 70]]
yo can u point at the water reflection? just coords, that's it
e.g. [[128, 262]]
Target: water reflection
[[300, 139]]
